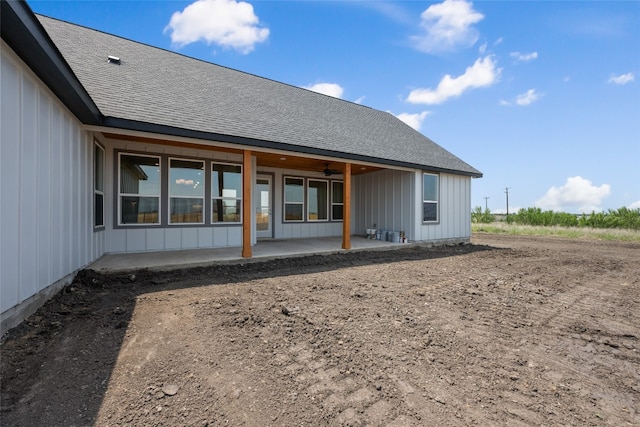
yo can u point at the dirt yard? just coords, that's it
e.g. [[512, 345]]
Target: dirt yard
[[505, 331]]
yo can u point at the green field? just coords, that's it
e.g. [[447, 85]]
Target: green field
[[622, 224]]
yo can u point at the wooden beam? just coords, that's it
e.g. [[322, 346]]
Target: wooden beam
[[246, 203], [346, 210]]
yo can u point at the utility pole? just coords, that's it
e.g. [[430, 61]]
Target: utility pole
[[506, 190], [486, 208]]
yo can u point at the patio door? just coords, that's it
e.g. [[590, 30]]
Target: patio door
[[262, 203]]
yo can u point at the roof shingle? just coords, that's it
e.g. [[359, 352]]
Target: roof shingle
[[159, 87]]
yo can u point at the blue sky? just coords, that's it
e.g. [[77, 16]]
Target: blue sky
[[542, 96]]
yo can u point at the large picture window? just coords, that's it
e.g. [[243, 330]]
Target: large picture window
[[98, 186], [337, 201], [293, 199], [226, 193], [186, 191], [139, 189], [430, 197], [317, 200]]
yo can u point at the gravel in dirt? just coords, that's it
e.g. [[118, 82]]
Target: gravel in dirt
[[504, 331]]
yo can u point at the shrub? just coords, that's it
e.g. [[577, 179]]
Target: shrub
[[623, 218], [480, 217]]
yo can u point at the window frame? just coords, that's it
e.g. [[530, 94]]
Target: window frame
[[326, 201], [213, 199], [333, 203], [285, 202], [305, 200], [435, 201], [120, 194], [98, 192], [170, 196]]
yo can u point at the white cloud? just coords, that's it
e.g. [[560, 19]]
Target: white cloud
[[359, 100], [331, 89], [448, 25], [482, 73], [394, 11], [524, 99], [634, 205], [528, 97], [414, 120], [524, 57], [622, 79], [577, 194], [483, 48], [227, 23]]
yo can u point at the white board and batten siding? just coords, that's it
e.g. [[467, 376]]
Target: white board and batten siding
[[46, 191], [454, 224], [384, 200], [391, 200]]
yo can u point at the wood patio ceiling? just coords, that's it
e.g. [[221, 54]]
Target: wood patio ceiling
[[263, 159]]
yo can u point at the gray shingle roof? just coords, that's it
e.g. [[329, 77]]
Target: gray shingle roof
[[158, 87]]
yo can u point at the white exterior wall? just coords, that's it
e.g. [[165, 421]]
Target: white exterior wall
[[386, 199], [454, 210], [46, 191], [392, 200]]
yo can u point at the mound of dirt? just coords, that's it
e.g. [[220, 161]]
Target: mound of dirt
[[505, 331]]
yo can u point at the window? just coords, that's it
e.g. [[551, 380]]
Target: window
[[293, 199], [429, 197], [337, 201], [139, 189], [317, 200], [186, 191], [98, 186], [226, 193]]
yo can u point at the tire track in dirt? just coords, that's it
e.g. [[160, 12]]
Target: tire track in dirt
[[537, 332]]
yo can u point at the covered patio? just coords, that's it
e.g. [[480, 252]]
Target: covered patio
[[263, 250]]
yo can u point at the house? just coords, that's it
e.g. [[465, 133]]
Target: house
[[113, 146]]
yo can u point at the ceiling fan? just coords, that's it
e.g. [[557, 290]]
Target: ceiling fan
[[329, 172]]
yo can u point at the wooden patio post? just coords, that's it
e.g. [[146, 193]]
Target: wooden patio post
[[246, 203], [346, 212]]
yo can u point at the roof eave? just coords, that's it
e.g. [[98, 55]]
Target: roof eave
[[25, 35], [131, 125]]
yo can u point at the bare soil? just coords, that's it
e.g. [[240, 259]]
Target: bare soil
[[505, 331]]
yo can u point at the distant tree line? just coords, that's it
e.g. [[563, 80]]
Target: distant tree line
[[623, 218]]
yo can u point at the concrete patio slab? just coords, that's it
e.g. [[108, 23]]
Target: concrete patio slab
[[264, 250]]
